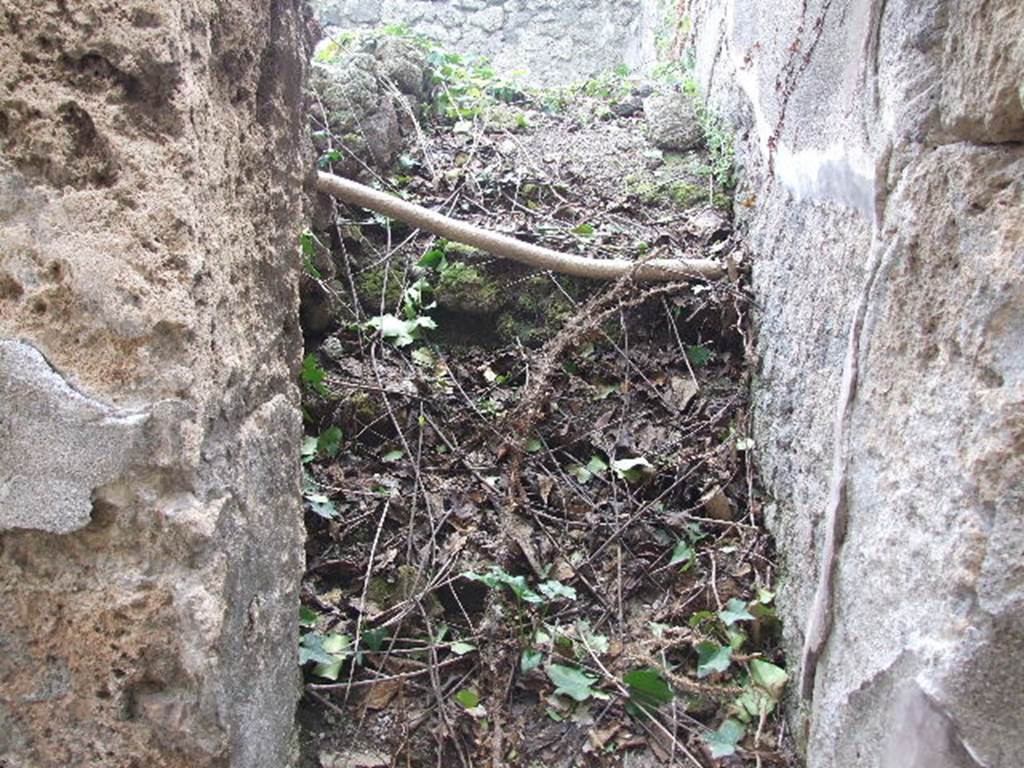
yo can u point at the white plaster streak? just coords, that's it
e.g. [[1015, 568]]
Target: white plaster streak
[[837, 173]]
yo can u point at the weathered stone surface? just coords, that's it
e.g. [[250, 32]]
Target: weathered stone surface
[[982, 59], [870, 133], [359, 109], [672, 122], [56, 445], [369, 98], [551, 42], [151, 164]]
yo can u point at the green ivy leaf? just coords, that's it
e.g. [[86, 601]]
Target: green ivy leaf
[[313, 375], [400, 332], [321, 505], [769, 677], [335, 643], [530, 660], [311, 648], [596, 643], [735, 610], [330, 671], [573, 682], [307, 616], [647, 688], [682, 553], [712, 657], [633, 470], [498, 578], [698, 355], [723, 741], [581, 473], [374, 639], [328, 651], [461, 649], [329, 441], [468, 698], [752, 704]]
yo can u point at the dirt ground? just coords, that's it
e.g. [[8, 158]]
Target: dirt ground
[[535, 538]]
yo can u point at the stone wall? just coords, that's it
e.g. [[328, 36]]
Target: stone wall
[[884, 197], [151, 165], [551, 41]]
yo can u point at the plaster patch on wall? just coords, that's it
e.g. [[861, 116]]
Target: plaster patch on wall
[[840, 172], [56, 444]]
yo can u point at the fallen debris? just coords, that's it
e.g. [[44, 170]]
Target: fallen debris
[[535, 537]]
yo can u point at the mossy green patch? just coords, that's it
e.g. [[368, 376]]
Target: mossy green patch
[[370, 286], [650, 190], [464, 288], [688, 195], [537, 312]]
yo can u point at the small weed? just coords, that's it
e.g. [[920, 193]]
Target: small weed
[[308, 243], [312, 375]]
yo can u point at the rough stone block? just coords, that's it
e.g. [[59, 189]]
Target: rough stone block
[[152, 160], [878, 146]]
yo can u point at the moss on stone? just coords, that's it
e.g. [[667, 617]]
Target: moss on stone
[[652, 191], [687, 195], [370, 283], [462, 249], [682, 180], [536, 314], [464, 288], [644, 188]]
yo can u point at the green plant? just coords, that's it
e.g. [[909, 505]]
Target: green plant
[[313, 376], [549, 590], [403, 331], [572, 682], [399, 331], [327, 652], [719, 139], [633, 470], [343, 43], [721, 148], [308, 243], [647, 689], [316, 501], [698, 355], [724, 740], [734, 611], [327, 443], [712, 657], [465, 87], [328, 157]]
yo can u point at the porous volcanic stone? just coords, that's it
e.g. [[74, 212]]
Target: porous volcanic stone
[[152, 160]]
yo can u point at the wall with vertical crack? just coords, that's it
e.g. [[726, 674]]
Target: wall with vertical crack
[[152, 158], [883, 147]]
